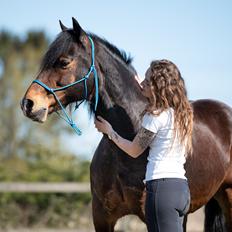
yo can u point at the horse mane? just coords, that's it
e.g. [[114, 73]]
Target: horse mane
[[63, 42], [120, 53]]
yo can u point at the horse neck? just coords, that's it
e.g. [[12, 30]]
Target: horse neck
[[120, 98]]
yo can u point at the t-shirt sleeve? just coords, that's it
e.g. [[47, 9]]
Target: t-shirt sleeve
[[151, 122]]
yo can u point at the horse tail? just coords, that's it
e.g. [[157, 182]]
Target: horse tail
[[214, 219]]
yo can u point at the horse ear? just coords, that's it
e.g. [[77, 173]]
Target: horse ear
[[76, 27], [62, 26]]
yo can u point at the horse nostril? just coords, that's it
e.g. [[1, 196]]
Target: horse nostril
[[28, 104]]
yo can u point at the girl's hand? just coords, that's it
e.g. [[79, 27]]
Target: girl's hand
[[102, 125]]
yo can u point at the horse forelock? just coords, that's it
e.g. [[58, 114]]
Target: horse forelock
[[58, 47]]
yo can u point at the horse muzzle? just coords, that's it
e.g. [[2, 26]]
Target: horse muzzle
[[38, 114]]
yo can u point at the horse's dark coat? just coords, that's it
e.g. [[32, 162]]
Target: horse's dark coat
[[117, 179]]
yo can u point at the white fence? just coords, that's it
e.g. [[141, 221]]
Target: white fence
[[67, 187]]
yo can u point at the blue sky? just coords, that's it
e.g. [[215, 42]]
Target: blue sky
[[196, 35]]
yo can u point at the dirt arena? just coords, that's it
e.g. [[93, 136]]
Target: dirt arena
[[196, 221]]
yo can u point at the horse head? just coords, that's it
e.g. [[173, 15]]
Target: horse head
[[68, 60]]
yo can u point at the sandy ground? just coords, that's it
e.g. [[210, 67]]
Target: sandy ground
[[196, 221]]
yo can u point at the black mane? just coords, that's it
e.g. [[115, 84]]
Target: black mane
[[63, 42], [120, 53]]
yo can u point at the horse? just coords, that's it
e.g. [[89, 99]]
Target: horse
[[116, 179]]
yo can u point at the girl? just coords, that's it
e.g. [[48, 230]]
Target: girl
[[167, 129]]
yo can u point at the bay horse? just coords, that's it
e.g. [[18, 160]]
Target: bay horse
[[117, 179]]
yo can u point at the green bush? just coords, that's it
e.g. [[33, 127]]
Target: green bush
[[44, 209]]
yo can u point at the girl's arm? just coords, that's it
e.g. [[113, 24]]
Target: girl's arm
[[133, 148]]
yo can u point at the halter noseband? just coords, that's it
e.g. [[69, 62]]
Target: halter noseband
[[84, 79]]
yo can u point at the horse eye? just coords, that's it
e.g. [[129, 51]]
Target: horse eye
[[63, 63]]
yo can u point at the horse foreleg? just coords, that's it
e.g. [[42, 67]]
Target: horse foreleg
[[102, 220]]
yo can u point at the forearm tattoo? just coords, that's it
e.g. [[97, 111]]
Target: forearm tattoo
[[113, 136], [144, 138]]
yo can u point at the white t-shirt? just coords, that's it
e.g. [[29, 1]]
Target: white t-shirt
[[166, 157]]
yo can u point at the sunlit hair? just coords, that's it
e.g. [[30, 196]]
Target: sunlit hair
[[168, 90]]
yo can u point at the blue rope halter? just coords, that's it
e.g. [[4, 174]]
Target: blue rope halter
[[93, 70]]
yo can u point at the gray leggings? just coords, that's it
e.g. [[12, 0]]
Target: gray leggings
[[167, 201]]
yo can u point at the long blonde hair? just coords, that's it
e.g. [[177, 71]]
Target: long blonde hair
[[168, 90]]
